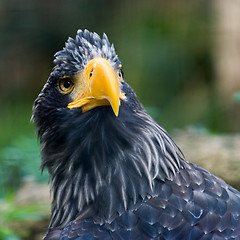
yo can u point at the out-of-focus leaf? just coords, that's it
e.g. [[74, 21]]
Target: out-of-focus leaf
[[5, 234], [20, 159], [10, 213], [236, 97]]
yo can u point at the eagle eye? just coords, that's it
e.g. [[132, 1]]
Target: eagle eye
[[120, 74], [65, 85]]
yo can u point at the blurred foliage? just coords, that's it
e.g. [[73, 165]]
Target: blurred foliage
[[19, 147], [11, 213], [20, 159], [15, 118], [236, 97]]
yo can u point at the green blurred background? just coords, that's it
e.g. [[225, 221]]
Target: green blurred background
[[181, 58]]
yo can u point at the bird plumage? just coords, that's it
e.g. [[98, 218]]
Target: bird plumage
[[122, 177]]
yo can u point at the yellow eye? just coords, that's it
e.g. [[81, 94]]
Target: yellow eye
[[65, 84], [120, 74]]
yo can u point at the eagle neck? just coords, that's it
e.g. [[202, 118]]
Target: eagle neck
[[111, 164]]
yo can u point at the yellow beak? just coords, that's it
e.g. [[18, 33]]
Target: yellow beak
[[98, 86]]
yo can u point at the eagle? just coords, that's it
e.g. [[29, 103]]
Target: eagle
[[115, 173]]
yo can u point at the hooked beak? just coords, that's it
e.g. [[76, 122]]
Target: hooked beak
[[99, 86]]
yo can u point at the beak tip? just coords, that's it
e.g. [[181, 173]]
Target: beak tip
[[115, 104], [116, 114], [115, 108], [116, 111]]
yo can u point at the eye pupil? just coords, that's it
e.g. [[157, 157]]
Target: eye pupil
[[67, 84]]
